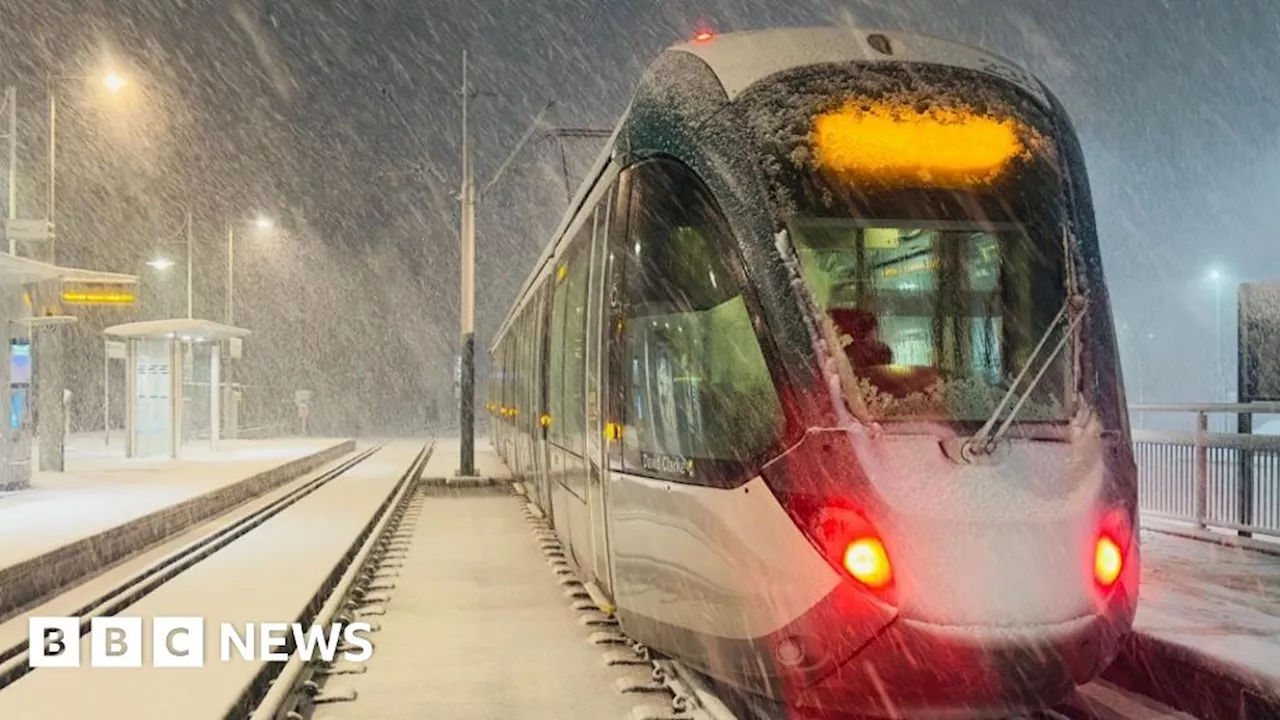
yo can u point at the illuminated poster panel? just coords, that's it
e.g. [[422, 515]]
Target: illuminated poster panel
[[155, 407]]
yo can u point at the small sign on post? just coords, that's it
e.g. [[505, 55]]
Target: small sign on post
[[27, 230], [302, 398]]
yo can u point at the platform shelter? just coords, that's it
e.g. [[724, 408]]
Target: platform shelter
[[31, 378], [158, 354]]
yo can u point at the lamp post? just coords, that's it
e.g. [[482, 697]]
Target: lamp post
[[1216, 277], [164, 264], [467, 227], [466, 408], [231, 404], [261, 223], [114, 83]]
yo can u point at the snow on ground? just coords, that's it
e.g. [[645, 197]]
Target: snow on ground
[[477, 626], [1219, 600], [101, 489], [266, 576], [444, 460]]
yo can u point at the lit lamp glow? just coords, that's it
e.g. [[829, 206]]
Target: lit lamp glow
[[115, 83]]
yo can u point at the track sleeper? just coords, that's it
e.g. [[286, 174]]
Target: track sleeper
[[605, 637], [656, 712], [623, 657], [597, 620], [335, 694], [343, 669], [631, 685]]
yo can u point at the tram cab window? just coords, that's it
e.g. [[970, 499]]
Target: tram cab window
[[700, 402], [926, 313]]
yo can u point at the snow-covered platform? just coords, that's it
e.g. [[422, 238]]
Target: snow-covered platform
[[443, 466], [477, 626], [268, 575], [69, 525], [1207, 633]]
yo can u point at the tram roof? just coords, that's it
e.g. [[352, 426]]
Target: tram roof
[[743, 58]]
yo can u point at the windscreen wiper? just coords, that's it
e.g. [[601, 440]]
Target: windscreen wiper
[[984, 441]]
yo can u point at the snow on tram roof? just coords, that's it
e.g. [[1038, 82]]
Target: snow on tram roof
[[743, 58]]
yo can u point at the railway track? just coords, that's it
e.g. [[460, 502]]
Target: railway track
[[201, 575], [354, 590], [14, 658]]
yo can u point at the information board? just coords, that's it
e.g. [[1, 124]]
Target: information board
[[155, 409]]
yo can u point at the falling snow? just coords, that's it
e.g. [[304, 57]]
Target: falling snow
[[340, 123]]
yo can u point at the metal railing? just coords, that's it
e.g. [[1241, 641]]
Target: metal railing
[[1225, 480]]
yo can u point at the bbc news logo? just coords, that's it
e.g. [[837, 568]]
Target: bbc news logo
[[179, 642]]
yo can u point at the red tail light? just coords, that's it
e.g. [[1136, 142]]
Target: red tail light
[[1111, 548], [851, 545], [1108, 561], [868, 563]]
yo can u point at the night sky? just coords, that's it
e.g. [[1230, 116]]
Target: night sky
[[340, 120]]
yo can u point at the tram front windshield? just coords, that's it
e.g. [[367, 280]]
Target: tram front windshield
[[927, 211]]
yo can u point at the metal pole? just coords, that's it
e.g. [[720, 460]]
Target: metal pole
[[231, 268], [106, 390], [466, 411], [1217, 339], [1201, 468], [190, 296], [232, 405], [11, 99], [215, 392], [53, 170]]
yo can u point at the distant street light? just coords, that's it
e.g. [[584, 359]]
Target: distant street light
[[114, 82], [162, 264], [262, 223], [1219, 374]]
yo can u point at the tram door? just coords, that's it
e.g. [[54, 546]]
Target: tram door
[[597, 388]]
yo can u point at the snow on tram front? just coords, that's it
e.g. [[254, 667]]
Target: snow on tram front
[[865, 442]]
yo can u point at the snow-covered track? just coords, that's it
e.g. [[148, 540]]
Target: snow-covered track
[[351, 591], [682, 694], [14, 659]]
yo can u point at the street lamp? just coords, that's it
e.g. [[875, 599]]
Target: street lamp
[[163, 264], [114, 83], [262, 223], [1215, 277]]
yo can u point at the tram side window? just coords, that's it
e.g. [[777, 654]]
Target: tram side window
[[528, 403], [555, 371], [701, 405], [575, 316], [517, 367]]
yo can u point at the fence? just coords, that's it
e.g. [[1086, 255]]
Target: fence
[[1212, 479], [263, 412]]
